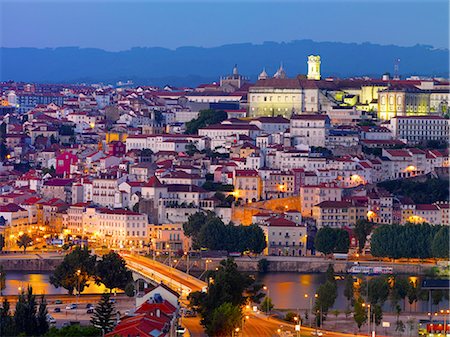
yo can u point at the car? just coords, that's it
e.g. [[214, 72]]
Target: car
[[112, 300], [57, 309], [180, 330], [58, 302], [71, 306], [127, 313], [89, 306], [317, 333], [90, 311], [65, 324], [50, 319]]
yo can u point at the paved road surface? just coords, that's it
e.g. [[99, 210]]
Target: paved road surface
[[260, 326]]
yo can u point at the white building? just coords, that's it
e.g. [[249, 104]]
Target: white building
[[284, 237], [416, 129], [309, 129]]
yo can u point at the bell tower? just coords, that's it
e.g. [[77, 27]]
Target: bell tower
[[313, 67]]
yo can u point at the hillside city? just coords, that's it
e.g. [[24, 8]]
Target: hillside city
[[185, 201]]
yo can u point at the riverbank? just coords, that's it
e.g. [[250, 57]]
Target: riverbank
[[30, 262], [305, 264]]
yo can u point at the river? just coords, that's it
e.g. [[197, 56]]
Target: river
[[286, 289], [41, 284]]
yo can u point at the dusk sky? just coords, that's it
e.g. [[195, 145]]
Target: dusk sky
[[121, 25]]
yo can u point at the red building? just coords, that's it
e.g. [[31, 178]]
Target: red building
[[63, 162], [116, 148]]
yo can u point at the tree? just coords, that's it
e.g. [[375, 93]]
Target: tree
[[6, 320], [378, 314], [440, 244], [228, 286], [325, 240], [42, 325], [360, 314], [74, 273], [205, 118], [2, 241], [53, 140], [378, 288], [329, 240], [104, 313], [342, 241], [2, 280], [348, 288], [25, 319], [362, 229], [400, 288], [130, 289], [330, 274], [225, 319], [413, 293], [24, 241], [192, 227], [74, 331], [290, 316], [266, 305], [326, 296], [403, 241], [263, 265], [421, 192], [112, 271], [209, 231]]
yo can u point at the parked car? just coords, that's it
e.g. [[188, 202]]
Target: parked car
[[317, 333], [89, 305], [90, 311], [57, 309], [112, 300], [71, 306], [50, 319], [58, 302]]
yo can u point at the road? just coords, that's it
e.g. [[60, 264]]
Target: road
[[259, 325]]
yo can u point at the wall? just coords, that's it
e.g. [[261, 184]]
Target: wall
[[243, 214], [30, 264]]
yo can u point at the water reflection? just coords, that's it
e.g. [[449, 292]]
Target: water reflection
[[41, 284], [288, 290]]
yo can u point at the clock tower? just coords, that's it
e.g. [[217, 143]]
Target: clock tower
[[313, 67]]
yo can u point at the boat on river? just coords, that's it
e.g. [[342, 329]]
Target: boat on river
[[364, 270]]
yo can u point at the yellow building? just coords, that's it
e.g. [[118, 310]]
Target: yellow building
[[112, 136], [247, 185], [402, 102]]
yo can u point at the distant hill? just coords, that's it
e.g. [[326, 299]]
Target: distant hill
[[194, 65]]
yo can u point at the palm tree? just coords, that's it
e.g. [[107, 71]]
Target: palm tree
[[24, 241]]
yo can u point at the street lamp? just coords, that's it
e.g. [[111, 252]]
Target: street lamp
[[297, 326], [369, 318], [78, 293], [268, 299], [310, 307]]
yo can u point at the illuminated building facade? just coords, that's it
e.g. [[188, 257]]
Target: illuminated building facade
[[402, 102], [313, 67]]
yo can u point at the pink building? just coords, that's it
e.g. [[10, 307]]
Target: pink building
[[63, 162]]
